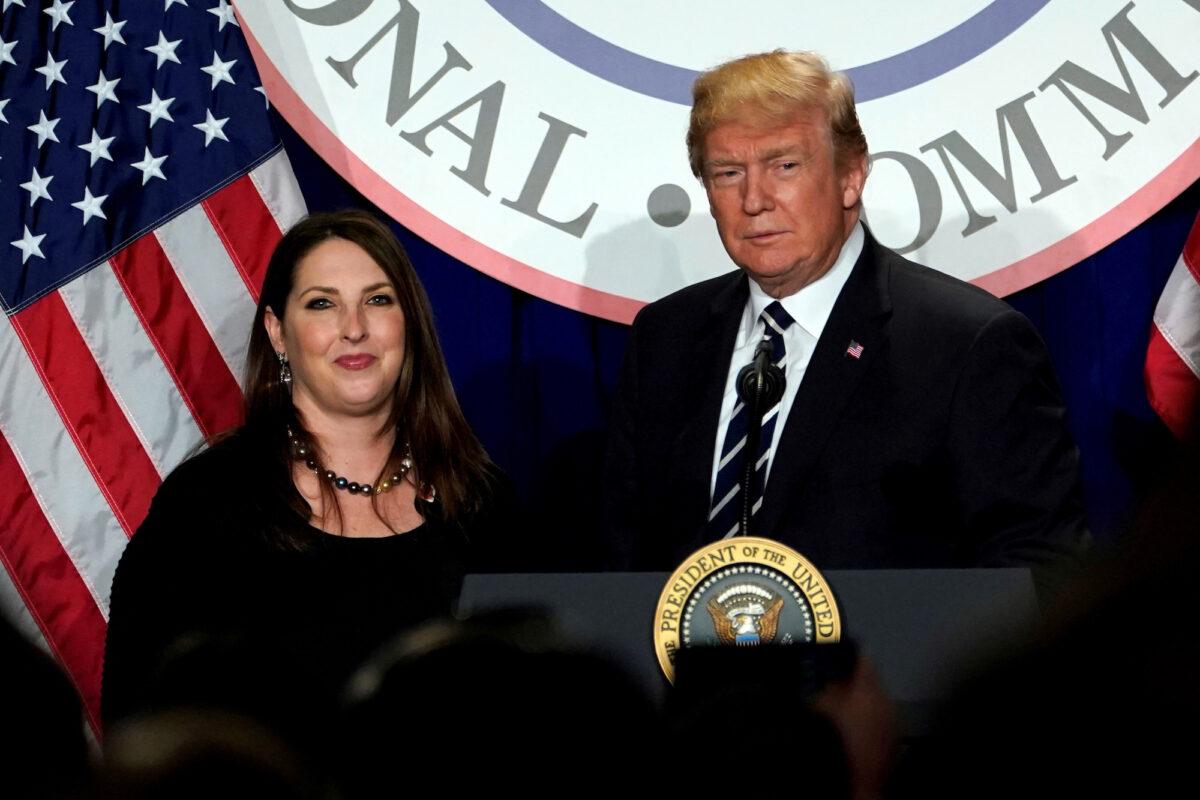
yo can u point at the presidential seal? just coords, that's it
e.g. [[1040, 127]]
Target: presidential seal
[[743, 592]]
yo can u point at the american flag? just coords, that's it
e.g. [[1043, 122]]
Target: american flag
[[854, 350], [141, 191], [1173, 356]]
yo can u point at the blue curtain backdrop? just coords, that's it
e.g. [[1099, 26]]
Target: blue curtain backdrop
[[535, 379]]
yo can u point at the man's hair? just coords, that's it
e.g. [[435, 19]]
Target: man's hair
[[774, 87]]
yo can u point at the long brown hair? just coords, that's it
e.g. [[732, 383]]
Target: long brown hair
[[425, 412]]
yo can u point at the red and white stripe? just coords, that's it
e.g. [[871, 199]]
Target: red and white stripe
[[105, 386], [1173, 355]]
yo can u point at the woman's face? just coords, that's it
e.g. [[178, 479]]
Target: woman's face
[[342, 331]]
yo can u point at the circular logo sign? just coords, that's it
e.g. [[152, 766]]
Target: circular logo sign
[[541, 141], [743, 592]]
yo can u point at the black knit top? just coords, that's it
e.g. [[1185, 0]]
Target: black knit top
[[207, 610]]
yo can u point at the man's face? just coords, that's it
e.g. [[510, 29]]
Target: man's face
[[782, 205]]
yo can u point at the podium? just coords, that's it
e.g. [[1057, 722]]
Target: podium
[[917, 625]]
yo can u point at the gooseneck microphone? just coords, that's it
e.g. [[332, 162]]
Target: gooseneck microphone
[[759, 386], [760, 383]]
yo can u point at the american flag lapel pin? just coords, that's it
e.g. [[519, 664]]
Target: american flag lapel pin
[[855, 349]]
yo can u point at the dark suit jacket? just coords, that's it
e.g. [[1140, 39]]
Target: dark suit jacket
[[943, 445]]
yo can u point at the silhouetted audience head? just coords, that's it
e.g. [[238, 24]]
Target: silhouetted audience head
[[185, 754], [498, 700], [738, 714], [1103, 702], [42, 744]]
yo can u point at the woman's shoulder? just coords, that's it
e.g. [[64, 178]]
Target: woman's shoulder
[[226, 460], [181, 528], [212, 484]]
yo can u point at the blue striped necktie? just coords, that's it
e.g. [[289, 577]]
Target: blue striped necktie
[[727, 501]]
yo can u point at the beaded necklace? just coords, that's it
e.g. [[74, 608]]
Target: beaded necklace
[[344, 484]]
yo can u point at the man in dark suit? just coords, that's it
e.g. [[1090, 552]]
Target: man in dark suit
[[922, 424]]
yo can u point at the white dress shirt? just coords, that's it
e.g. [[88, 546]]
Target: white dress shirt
[[810, 308]]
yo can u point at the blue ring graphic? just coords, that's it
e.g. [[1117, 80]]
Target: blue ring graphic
[[668, 82]]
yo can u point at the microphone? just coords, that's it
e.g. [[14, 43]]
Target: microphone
[[760, 383]]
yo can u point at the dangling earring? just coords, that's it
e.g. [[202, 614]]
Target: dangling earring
[[285, 371]]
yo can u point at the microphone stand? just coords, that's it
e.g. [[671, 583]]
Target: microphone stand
[[759, 385]]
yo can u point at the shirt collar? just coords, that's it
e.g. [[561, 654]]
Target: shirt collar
[[812, 305]]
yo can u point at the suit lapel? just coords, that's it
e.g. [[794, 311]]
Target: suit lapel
[[859, 317], [692, 454]]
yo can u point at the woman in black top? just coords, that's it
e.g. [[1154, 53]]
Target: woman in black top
[[346, 507]]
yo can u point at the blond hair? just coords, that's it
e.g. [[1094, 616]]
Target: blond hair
[[774, 87]]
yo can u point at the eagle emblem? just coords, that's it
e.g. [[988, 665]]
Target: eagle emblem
[[745, 615], [743, 592]]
